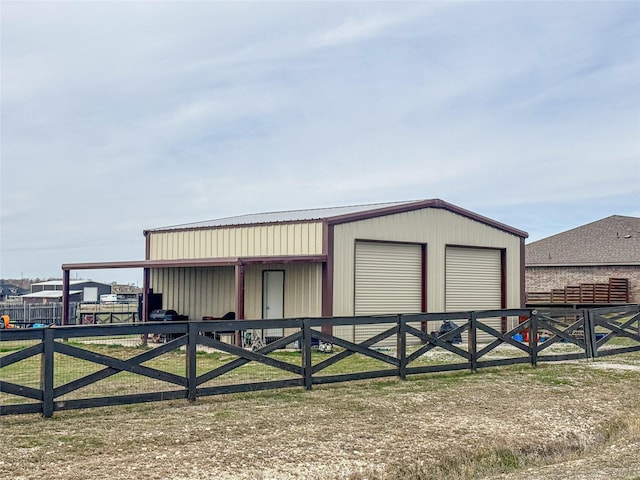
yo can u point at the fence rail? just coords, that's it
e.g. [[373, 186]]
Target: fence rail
[[609, 323], [40, 373]]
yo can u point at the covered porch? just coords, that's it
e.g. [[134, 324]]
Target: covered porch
[[240, 295]]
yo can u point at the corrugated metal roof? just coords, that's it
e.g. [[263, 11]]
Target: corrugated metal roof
[[59, 282], [614, 240], [49, 294], [337, 215], [284, 216]]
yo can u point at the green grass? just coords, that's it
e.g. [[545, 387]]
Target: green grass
[[11, 348]]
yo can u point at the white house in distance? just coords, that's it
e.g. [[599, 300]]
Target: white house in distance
[[388, 258]]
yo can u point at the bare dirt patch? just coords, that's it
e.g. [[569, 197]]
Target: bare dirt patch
[[563, 421]]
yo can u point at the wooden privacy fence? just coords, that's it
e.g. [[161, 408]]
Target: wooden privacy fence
[[615, 291], [118, 365]]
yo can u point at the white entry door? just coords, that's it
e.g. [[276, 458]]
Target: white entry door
[[273, 299]]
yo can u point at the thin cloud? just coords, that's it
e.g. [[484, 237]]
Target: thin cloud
[[132, 115], [356, 30]]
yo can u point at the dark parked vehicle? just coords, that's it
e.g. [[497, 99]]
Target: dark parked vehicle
[[165, 316]]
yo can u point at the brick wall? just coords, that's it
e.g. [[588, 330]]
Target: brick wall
[[544, 279]]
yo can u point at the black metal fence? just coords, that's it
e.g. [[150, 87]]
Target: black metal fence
[[38, 313], [43, 370], [27, 314]]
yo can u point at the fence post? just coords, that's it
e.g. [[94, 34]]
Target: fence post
[[402, 347], [473, 341], [46, 372], [192, 341], [533, 338], [306, 353], [590, 334]]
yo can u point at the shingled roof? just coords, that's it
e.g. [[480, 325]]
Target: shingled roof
[[614, 240]]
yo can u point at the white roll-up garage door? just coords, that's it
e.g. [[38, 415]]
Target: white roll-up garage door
[[388, 280], [474, 282]]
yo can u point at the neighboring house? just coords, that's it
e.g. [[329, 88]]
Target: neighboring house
[[402, 257], [605, 252], [9, 291], [80, 291]]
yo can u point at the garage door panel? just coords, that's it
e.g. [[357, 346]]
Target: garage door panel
[[474, 282], [388, 280]]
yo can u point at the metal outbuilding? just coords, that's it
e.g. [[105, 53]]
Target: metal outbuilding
[[388, 258]]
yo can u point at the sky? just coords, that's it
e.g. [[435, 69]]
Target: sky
[[116, 117]]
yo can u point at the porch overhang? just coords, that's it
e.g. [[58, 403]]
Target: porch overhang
[[238, 262], [196, 262]]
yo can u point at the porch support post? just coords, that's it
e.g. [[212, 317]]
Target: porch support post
[[239, 270], [327, 276], [65, 297], [145, 294], [144, 311]]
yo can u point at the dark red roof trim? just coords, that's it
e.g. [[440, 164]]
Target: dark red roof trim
[[196, 262]]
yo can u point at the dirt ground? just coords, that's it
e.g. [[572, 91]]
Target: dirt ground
[[565, 421]]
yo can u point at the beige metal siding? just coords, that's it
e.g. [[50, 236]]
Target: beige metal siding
[[434, 227], [210, 291], [247, 241], [196, 292], [388, 280], [302, 290]]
